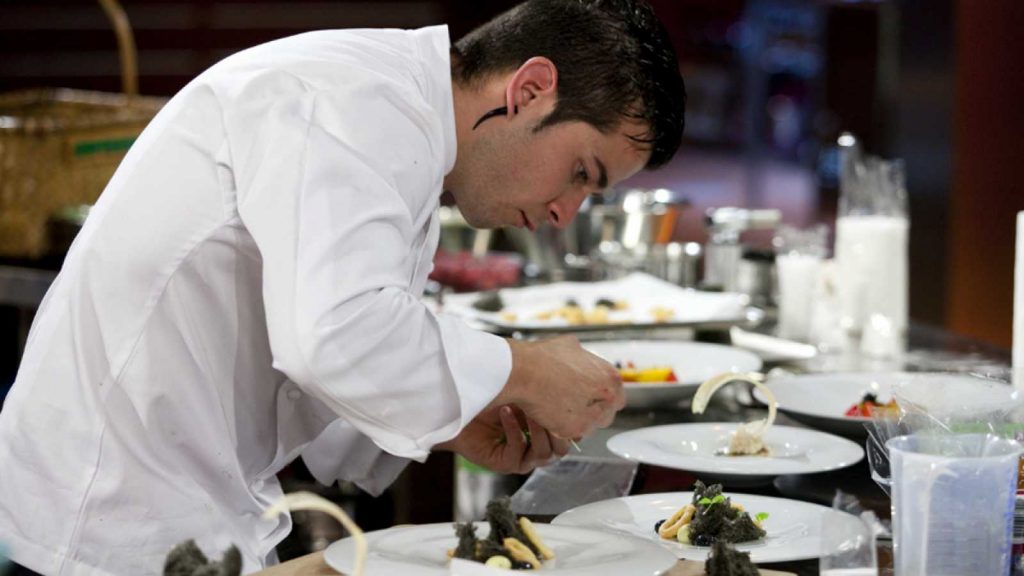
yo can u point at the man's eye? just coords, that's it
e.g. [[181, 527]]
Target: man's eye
[[581, 175]]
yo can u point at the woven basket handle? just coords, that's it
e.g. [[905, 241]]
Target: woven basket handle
[[125, 46]]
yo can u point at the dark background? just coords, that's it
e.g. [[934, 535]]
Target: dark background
[[935, 82]]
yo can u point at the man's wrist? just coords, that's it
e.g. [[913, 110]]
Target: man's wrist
[[447, 445], [515, 389]]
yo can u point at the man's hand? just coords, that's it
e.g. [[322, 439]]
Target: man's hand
[[563, 387], [504, 440]]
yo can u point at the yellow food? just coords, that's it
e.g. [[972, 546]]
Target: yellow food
[[662, 313], [670, 528], [499, 562], [659, 374], [534, 538], [598, 316], [521, 552], [571, 314], [576, 315]]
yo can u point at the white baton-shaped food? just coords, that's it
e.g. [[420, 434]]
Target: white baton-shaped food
[[310, 501], [748, 437]]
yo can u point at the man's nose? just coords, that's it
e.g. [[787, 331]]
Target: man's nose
[[564, 209]]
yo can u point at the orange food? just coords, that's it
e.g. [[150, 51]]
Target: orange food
[[869, 407], [631, 373]]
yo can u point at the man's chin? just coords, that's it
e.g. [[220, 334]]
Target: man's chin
[[478, 223]]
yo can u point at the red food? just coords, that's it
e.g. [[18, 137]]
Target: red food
[[870, 407]]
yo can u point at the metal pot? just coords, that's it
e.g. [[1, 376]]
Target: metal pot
[[633, 220]]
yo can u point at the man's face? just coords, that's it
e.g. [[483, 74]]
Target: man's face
[[522, 178]]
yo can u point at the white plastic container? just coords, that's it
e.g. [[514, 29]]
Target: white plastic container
[[798, 276], [952, 503], [871, 265]]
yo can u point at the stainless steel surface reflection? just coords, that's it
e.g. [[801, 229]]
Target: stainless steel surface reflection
[[613, 236]]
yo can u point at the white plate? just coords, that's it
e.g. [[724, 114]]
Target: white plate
[[422, 551], [692, 447], [692, 363], [821, 400], [794, 527], [641, 292]]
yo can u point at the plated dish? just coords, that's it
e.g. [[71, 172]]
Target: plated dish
[[748, 439], [698, 448], [792, 528], [690, 362], [639, 300], [423, 551], [824, 400], [512, 543], [710, 517]]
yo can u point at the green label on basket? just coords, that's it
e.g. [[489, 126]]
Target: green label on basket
[[103, 146]]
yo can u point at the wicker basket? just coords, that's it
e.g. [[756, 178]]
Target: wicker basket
[[59, 147]]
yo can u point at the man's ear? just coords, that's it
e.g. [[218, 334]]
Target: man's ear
[[535, 82]]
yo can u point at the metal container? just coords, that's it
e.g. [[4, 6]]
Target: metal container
[[724, 252], [676, 262], [610, 237], [634, 219], [756, 277]]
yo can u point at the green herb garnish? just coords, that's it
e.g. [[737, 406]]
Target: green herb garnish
[[709, 502], [761, 516]]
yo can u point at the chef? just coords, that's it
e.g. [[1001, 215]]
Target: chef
[[246, 290]]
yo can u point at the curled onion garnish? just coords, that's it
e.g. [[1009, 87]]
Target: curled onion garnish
[[310, 501], [748, 439]]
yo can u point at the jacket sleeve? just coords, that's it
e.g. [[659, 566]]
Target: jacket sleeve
[[329, 187]]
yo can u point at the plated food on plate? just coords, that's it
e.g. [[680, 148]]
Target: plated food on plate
[[575, 314], [572, 312], [629, 372], [747, 439], [428, 550], [870, 407], [837, 401], [710, 517], [662, 374], [633, 301], [698, 447], [512, 543], [792, 528]]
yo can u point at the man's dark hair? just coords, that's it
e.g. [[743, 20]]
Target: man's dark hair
[[614, 61]]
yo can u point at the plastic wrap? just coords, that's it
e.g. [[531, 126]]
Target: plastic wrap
[[949, 460], [573, 481]]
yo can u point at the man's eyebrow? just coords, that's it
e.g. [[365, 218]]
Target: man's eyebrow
[[602, 178]]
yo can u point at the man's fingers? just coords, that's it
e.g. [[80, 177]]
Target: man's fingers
[[605, 417], [559, 447], [540, 444], [515, 439], [620, 398]]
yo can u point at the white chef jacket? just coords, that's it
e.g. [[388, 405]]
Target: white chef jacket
[[246, 291]]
